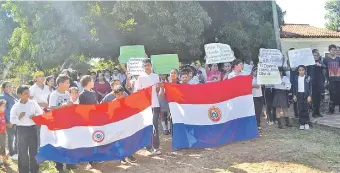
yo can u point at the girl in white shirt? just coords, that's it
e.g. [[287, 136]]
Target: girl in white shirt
[[280, 101], [258, 98]]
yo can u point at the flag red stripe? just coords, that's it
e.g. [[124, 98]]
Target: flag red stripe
[[96, 115], [209, 93]]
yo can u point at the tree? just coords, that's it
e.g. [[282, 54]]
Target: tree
[[332, 15]]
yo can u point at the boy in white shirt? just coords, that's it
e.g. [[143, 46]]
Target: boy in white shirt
[[146, 80], [59, 99], [21, 114]]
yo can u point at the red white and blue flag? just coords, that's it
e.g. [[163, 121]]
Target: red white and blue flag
[[83, 133], [212, 114]]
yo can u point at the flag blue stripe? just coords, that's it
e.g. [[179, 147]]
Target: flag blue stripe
[[113, 151], [205, 136]]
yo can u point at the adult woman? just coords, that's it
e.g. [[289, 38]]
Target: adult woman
[[280, 101], [49, 81], [226, 70], [101, 87]]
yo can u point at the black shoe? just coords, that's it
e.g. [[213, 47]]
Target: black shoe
[[123, 161], [320, 115], [280, 123], [131, 159], [288, 124], [71, 166], [330, 112], [315, 115]]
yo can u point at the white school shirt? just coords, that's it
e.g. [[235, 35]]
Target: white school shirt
[[233, 74], [38, 94], [30, 108], [257, 92], [301, 84], [144, 81]]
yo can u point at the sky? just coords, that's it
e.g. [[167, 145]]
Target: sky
[[304, 12]]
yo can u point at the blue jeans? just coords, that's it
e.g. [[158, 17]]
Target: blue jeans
[[12, 140]]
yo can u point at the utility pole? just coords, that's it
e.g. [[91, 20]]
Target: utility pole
[[276, 25]]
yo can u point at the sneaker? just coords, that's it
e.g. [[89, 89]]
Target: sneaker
[[123, 161], [307, 126], [259, 128], [14, 157], [131, 159], [270, 123], [302, 127], [70, 166]]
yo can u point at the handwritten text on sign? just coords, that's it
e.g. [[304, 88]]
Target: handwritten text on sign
[[301, 57], [218, 53], [268, 74], [135, 66], [270, 56]]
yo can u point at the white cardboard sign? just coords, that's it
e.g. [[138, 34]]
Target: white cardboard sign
[[218, 53]]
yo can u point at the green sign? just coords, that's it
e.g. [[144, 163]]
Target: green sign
[[134, 51], [163, 64]]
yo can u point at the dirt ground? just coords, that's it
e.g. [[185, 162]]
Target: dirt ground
[[275, 151]]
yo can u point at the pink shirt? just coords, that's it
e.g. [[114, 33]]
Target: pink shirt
[[213, 74]]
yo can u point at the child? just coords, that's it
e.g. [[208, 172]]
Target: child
[[21, 114], [111, 96], [280, 100], [237, 69], [3, 134], [87, 96], [59, 99], [74, 92], [302, 90], [164, 105], [119, 94], [184, 78], [258, 98]]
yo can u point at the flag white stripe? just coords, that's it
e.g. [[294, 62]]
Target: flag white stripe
[[197, 114], [82, 136]]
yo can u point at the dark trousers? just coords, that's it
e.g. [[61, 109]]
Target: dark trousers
[[155, 136], [28, 149], [316, 98], [334, 94], [303, 109], [60, 166], [258, 104], [12, 140], [270, 111]]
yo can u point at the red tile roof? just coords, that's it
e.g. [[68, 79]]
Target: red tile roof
[[306, 31]]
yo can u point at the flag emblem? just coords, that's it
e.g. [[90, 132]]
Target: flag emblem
[[98, 136], [214, 114]]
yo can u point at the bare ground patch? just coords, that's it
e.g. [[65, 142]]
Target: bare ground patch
[[283, 151]]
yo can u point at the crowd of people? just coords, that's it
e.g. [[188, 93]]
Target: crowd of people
[[301, 87]]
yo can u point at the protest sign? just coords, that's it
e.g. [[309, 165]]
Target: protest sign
[[271, 56], [163, 64], [301, 57], [218, 53], [135, 66], [133, 51], [268, 74]]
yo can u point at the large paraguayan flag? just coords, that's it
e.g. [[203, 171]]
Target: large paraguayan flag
[[212, 114], [83, 133]]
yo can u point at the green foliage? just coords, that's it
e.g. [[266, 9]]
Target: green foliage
[[45, 34], [103, 64], [332, 15]]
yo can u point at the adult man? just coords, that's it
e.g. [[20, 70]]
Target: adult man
[[39, 91], [11, 99], [146, 80]]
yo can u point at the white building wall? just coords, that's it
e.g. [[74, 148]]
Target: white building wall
[[315, 43]]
